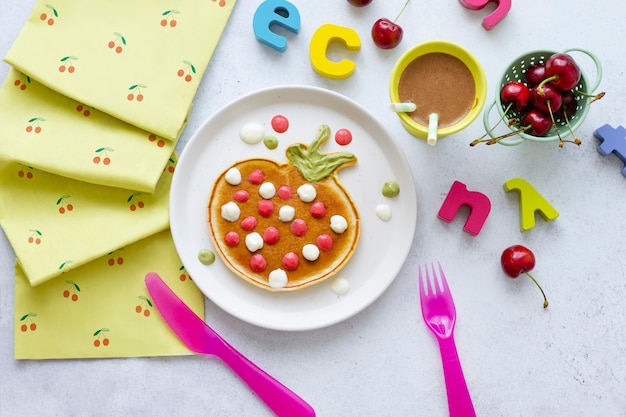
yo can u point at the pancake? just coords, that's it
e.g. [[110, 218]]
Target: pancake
[[285, 226]]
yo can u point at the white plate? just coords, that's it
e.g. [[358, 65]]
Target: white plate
[[382, 248]]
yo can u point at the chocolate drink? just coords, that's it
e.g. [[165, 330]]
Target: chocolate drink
[[438, 83]]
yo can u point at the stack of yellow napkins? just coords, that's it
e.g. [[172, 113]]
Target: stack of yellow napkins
[[90, 114]]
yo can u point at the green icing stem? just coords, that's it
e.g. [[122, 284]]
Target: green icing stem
[[314, 165]]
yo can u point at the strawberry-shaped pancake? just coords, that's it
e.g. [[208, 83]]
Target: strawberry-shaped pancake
[[285, 226]]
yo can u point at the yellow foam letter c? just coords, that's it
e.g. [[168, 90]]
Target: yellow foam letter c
[[322, 37]]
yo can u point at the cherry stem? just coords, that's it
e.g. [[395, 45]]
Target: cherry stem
[[501, 119], [577, 140], [545, 299], [595, 97], [499, 138], [403, 7], [544, 82]]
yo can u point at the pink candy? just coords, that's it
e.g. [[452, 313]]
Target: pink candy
[[298, 227], [256, 177]]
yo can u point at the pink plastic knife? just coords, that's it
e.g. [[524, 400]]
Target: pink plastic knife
[[200, 338]]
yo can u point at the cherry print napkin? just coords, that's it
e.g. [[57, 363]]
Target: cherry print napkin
[[56, 224], [46, 130], [139, 61], [103, 308]]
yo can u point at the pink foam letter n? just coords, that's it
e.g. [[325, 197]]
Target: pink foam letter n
[[478, 203], [502, 8]]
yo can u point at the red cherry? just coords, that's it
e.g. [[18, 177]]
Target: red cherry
[[546, 98], [516, 94], [359, 3], [386, 34], [568, 105], [562, 71], [517, 260], [536, 123], [535, 74]]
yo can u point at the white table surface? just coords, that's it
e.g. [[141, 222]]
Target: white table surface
[[519, 359]]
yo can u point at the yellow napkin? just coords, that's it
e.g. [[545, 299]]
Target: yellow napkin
[[103, 310], [43, 129], [56, 224], [140, 61]]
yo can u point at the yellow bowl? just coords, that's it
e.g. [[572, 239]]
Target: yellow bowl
[[478, 74]]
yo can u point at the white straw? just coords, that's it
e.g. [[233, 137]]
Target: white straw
[[433, 124], [403, 107]]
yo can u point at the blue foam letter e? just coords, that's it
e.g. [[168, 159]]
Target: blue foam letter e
[[275, 12]]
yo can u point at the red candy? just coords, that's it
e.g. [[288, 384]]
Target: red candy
[[241, 196], [317, 210], [343, 137], [298, 227], [324, 242], [280, 124], [256, 177], [291, 261], [284, 192], [248, 224], [265, 208], [231, 239], [271, 235], [258, 262]]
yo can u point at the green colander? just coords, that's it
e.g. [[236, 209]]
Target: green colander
[[516, 71]]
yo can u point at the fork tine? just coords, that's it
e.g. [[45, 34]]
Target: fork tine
[[442, 277], [421, 283], [431, 291]]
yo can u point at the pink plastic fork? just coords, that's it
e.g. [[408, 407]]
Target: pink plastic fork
[[440, 315]]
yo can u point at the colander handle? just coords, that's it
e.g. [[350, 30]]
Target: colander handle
[[512, 141], [596, 62]]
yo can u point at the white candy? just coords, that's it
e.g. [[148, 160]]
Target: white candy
[[340, 286], [254, 241], [286, 214], [383, 211], [252, 133], [267, 190], [338, 224], [310, 252], [233, 176], [307, 193], [231, 212], [278, 278]]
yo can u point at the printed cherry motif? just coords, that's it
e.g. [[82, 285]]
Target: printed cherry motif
[[64, 206], [135, 92], [102, 155], [169, 18], [25, 172], [186, 71], [34, 125], [183, 274], [118, 43], [81, 109], [28, 323], [115, 258], [144, 306], [131, 200], [21, 84], [65, 266], [72, 291], [49, 15], [170, 167], [35, 236], [67, 63], [153, 138], [101, 338]]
